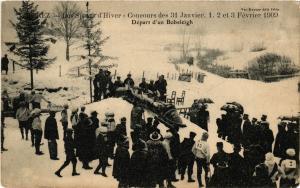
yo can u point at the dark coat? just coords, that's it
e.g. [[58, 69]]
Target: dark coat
[[69, 147], [137, 168], [280, 145], [102, 146], [51, 132], [267, 140], [121, 164], [136, 116], [129, 81], [120, 131], [161, 86], [247, 133], [4, 63], [157, 162], [219, 161], [186, 153], [175, 145], [236, 170], [87, 139], [203, 118], [102, 80], [118, 84], [144, 87]]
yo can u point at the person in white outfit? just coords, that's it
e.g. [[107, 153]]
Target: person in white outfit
[[202, 154]]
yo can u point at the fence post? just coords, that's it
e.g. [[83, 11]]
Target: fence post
[[143, 74], [59, 70], [157, 75], [78, 71], [13, 66], [168, 75]]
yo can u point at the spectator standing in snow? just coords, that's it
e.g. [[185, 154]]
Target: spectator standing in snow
[[186, 157], [118, 83], [237, 168], [70, 154], [128, 82], [64, 118], [51, 134], [202, 154], [203, 117], [137, 167], [121, 129], [267, 138], [36, 99], [111, 132], [171, 163], [102, 147], [289, 166], [4, 64], [280, 144], [219, 161], [247, 131], [38, 131], [74, 121], [102, 83], [156, 161], [22, 115], [136, 116], [121, 163], [161, 86], [144, 85]]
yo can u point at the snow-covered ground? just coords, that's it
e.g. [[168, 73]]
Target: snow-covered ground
[[138, 52]]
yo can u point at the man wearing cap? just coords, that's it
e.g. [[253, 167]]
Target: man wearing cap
[[70, 154], [51, 134], [186, 157], [118, 83], [64, 118], [280, 144], [202, 154], [161, 86], [129, 81], [267, 137], [219, 161]]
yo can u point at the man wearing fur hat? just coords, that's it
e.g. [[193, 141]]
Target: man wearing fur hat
[[111, 132], [51, 134]]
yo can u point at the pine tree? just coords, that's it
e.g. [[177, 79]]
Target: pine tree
[[93, 42], [93, 39], [31, 47]]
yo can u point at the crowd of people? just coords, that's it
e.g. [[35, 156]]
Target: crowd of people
[[105, 87], [157, 158]]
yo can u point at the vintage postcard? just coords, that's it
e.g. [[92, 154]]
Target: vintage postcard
[[168, 94]]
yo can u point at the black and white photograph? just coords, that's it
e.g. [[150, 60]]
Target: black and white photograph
[[150, 94]]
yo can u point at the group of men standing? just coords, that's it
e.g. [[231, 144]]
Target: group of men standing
[[105, 87]]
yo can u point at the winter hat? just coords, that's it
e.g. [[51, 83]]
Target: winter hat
[[269, 158], [205, 135], [103, 129], [66, 106], [168, 135], [291, 152], [123, 119], [94, 113], [155, 136]]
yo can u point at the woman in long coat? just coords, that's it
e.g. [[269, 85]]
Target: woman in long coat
[[137, 166], [157, 161], [121, 162]]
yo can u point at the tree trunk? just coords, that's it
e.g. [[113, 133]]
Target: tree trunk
[[31, 75], [68, 51]]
